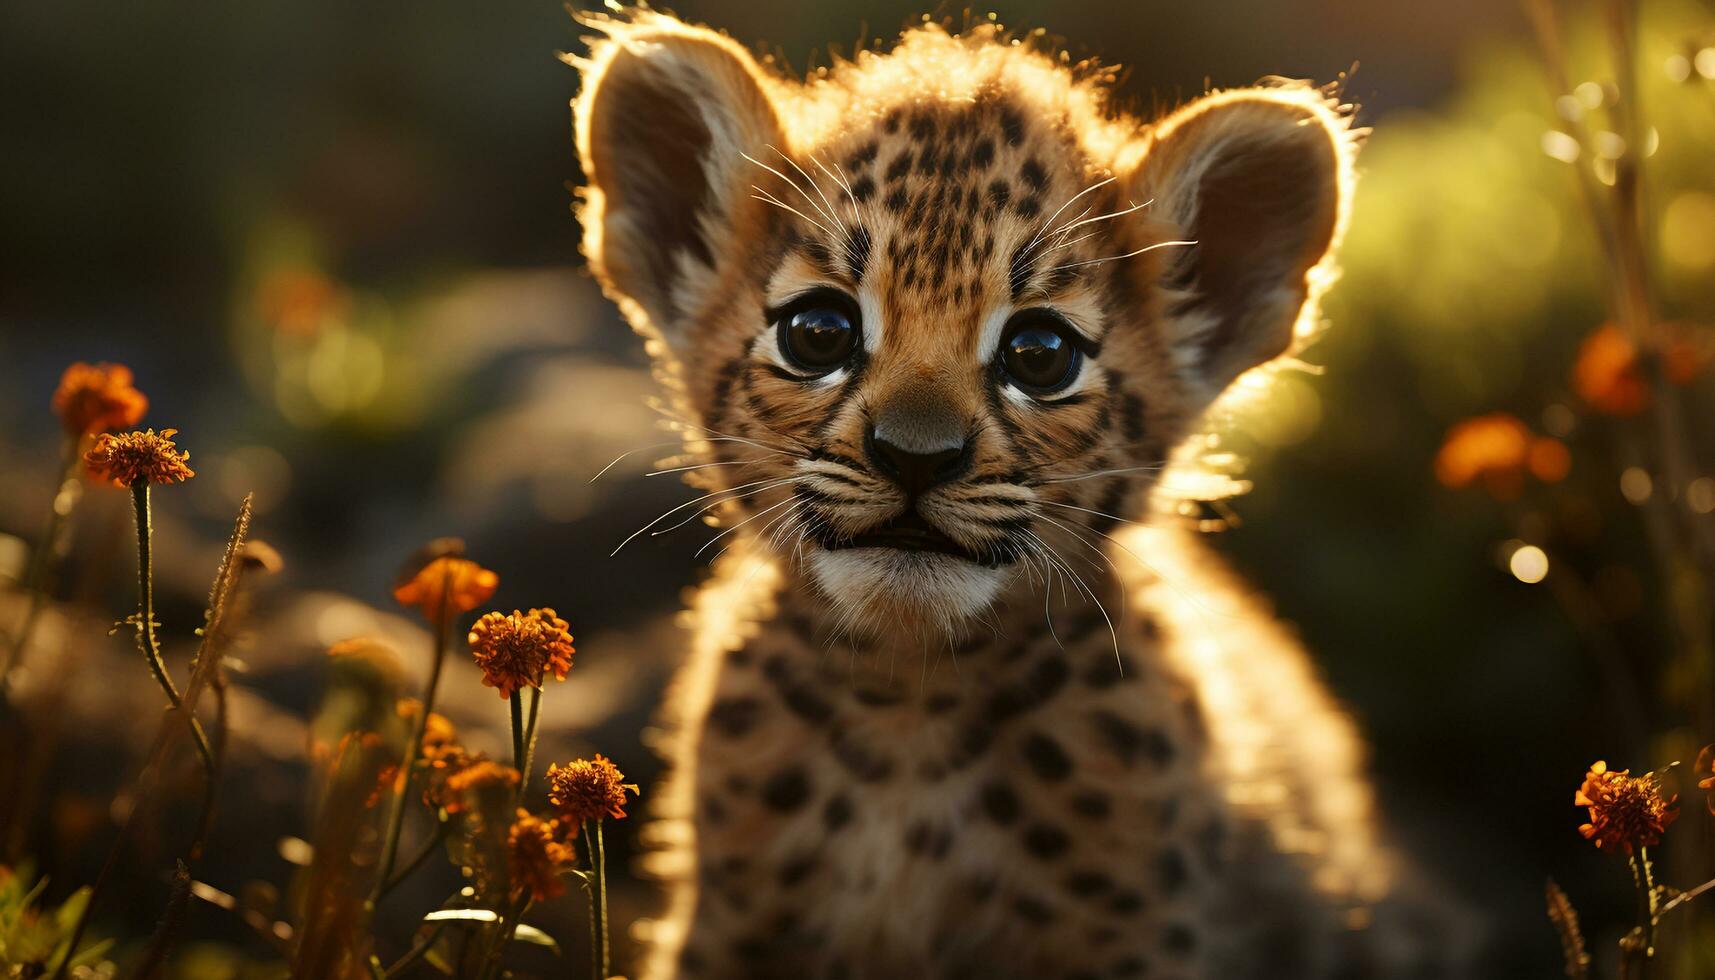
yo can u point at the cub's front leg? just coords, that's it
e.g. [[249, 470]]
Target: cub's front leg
[[764, 814]]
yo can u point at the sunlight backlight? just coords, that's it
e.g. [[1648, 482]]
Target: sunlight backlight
[[1529, 564], [1636, 484], [1700, 495]]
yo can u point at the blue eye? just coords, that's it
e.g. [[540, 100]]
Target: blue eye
[[819, 332], [1038, 355]]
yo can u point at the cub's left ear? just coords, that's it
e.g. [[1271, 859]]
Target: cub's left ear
[[1260, 179]]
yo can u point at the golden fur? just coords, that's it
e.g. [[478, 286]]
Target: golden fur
[[1080, 749]]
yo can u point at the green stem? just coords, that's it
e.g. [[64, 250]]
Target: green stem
[[598, 898], [384, 880], [417, 952], [1652, 906], [1685, 896], [1637, 947], [530, 741], [518, 736], [429, 848], [162, 942], [504, 929], [42, 560], [146, 620]]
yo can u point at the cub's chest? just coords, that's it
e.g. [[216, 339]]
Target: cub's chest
[[880, 808]]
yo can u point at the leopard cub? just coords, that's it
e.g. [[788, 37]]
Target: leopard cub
[[937, 319]]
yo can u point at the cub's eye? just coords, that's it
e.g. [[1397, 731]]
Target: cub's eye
[[1039, 353], [818, 332]]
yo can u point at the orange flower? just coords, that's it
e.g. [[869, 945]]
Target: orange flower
[[536, 857], [588, 790], [440, 739], [97, 397], [388, 782], [518, 650], [1499, 450], [440, 736], [1626, 812], [135, 458], [460, 790], [1606, 374], [1706, 769], [445, 585], [300, 301]]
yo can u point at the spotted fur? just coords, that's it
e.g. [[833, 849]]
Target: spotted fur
[[1080, 750]]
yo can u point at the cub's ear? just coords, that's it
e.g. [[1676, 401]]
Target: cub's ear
[[665, 116], [1260, 179]]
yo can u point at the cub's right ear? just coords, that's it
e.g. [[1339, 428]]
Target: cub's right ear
[[664, 121]]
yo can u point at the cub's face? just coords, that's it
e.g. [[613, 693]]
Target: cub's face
[[939, 320]]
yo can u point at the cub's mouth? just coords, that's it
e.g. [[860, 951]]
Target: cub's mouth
[[908, 532]]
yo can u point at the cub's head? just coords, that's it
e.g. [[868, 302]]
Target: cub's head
[[940, 315]]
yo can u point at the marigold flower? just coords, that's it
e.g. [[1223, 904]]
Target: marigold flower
[[536, 857], [446, 585], [134, 458], [299, 301], [440, 735], [440, 739], [518, 650], [1499, 450], [97, 397], [1626, 811], [1606, 374], [388, 782], [459, 791], [587, 789], [1706, 769]]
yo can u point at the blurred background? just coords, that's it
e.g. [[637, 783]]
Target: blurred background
[[333, 240]]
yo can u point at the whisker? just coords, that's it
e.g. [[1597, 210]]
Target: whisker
[[1095, 474], [747, 520], [1031, 249], [693, 503], [1050, 566], [674, 442], [1063, 207], [681, 423], [1116, 258], [794, 184], [829, 209], [763, 195], [1086, 510], [1182, 592], [699, 466], [1105, 217], [778, 482], [845, 185], [1081, 238], [1079, 581]]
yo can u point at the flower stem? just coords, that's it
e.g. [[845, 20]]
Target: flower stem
[[504, 929], [417, 952], [1638, 946], [1652, 907], [146, 621], [384, 880], [518, 737], [42, 560], [1685, 896], [430, 846], [530, 741], [598, 898]]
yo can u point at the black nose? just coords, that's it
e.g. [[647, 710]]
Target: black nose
[[915, 471]]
